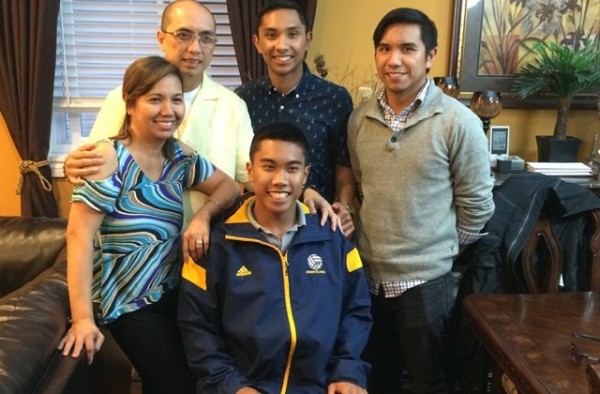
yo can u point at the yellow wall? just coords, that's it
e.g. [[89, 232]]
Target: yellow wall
[[10, 204], [343, 31]]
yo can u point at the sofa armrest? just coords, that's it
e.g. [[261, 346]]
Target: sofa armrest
[[34, 311], [28, 246], [58, 374], [33, 319]]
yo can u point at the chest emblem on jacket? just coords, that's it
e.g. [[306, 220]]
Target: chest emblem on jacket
[[315, 263], [243, 271]]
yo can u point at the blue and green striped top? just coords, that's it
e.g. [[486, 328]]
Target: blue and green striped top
[[140, 233]]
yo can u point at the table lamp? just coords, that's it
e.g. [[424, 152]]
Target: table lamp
[[486, 104]]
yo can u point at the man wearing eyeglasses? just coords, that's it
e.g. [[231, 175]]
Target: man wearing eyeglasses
[[216, 122]]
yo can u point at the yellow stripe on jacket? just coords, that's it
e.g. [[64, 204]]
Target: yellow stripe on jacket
[[193, 273]]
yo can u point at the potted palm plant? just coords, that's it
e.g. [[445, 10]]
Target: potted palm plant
[[564, 71]]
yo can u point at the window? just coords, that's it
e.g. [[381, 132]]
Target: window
[[96, 41]]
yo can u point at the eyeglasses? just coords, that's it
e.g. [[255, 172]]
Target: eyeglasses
[[206, 40], [577, 355]]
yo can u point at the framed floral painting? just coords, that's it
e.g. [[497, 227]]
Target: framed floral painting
[[493, 39]]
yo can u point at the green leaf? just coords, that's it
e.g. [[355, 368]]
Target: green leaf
[[559, 69]]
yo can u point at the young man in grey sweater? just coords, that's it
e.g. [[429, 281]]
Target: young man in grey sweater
[[428, 193]]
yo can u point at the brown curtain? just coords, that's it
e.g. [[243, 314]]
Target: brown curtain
[[28, 54], [242, 19]]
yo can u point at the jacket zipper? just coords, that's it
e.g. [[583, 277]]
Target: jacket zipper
[[288, 306]]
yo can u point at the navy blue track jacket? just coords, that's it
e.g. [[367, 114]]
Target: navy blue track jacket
[[280, 323]]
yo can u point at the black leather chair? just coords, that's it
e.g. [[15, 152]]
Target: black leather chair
[[34, 310]]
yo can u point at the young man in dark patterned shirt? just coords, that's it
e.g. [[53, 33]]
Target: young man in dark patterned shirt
[[291, 93]]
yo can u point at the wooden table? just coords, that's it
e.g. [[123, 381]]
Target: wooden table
[[529, 337]]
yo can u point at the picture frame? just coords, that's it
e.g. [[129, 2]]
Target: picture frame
[[499, 140], [472, 43]]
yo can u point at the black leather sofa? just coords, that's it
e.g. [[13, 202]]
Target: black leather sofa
[[34, 310]]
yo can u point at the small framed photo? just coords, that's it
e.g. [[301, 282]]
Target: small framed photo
[[499, 136]]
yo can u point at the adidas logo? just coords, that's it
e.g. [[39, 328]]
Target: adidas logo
[[243, 271]]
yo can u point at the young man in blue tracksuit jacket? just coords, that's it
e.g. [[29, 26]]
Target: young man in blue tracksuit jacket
[[279, 304]]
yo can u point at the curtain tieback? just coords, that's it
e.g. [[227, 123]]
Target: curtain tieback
[[34, 166]]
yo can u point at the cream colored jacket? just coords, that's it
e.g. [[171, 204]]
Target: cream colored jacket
[[216, 125]]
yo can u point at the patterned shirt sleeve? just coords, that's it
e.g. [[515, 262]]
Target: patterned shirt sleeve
[[198, 170], [467, 237], [99, 195]]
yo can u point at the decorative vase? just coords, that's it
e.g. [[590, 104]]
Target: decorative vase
[[486, 104], [554, 150], [449, 85]]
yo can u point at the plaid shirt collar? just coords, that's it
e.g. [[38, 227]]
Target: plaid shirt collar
[[397, 121]]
